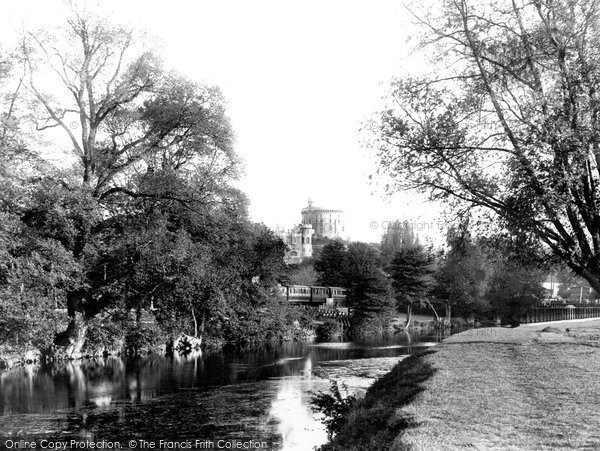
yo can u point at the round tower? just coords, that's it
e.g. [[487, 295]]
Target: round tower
[[326, 223]]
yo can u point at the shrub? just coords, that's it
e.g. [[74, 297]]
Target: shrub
[[104, 335], [330, 329], [145, 338], [334, 406]]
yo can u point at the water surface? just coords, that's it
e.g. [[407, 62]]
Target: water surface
[[257, 394]]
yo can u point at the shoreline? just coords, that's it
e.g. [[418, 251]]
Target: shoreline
[[530, 387]]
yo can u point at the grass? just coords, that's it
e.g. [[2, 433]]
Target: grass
[[374, 422], [495, 388]]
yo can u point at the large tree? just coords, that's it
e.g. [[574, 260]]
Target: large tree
[[122, 111], [508, 120], [411, 272], [462, 278], [150, 146], [369, 292]]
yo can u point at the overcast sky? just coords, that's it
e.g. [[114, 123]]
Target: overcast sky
[[300, 77]]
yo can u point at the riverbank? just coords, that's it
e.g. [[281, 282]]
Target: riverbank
[[531, 387], [104, 338]]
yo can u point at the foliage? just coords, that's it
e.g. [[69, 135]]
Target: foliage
[[411, 272], [106, 334], [397, 236], [329, 265], [356, 268], [37, 266], [369, 294], [334, 407], [462, 279], [328, 330], [513, 290], [506, 121], [144, 338], [375, 421], [148, 217], [518, 273], [302, 274], [500, 275]]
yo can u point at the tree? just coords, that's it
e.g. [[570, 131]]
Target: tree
[[302, 274], [36, 263], [356, 267], [37, 266], [517, 273], [411, 270], [148, 219], [11, 86], [514, 289], [130, 113], [508, 122], [397, 235], [462, 278], [369, 294], [150, 144], [329, 266]]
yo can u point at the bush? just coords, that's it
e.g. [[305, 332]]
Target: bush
[[145, 338], [22, 327], [370, 326], [375, 421], [104, 335], [334, 407], [458, 322], [330, 329]]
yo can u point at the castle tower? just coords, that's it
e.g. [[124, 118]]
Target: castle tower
[[326, 223], [306, 235]]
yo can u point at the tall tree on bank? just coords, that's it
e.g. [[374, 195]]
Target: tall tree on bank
[[121, 110], [146, 140], [462, 278], [508, 121], [356, 268], [411, 271], [369, 291]]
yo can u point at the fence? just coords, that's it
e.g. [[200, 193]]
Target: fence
[[540, 315], [331, 313]]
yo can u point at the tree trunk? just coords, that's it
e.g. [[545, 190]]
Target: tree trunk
[[195, 323], [437, 318], [73, 339], [448, 313], [408, 315]]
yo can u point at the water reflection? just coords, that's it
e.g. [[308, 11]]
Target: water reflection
[[297, 426], [191, 396]]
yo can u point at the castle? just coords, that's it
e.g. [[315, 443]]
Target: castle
[[317, 224]]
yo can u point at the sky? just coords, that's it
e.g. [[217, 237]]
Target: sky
[[300, 77]]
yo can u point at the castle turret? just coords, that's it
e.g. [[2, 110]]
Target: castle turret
[[306, 232]]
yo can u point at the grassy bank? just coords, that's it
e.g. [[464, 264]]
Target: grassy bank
[[497, 388], [373, 422]]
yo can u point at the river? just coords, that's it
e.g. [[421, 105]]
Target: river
[[258, 396]]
